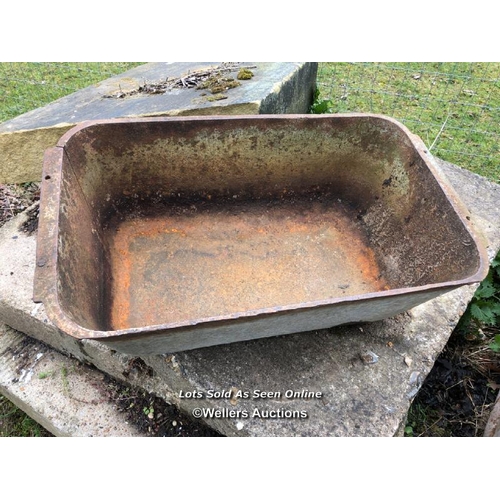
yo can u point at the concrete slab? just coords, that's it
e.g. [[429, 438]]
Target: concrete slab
[[274, 88], [63, 395], [346, 381]]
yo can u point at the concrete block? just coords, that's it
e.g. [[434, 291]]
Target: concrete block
[[274, 88]]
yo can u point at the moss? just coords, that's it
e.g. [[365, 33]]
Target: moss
[[244, 74], [216, 97], [217, 89], [217, 85]]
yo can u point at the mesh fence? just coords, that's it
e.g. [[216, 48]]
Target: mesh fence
[[453, 107]]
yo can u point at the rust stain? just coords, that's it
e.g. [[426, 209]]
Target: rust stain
[[125, 234], [176, 267], [120, 272], [365, 258]]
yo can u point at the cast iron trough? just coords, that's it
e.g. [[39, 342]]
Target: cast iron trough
[[165, 234]]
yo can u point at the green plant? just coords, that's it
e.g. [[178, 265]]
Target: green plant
[[320, 106], [64, 376], [149, 411], [495, 345], [424, 420], [14, 422], [484, 308]]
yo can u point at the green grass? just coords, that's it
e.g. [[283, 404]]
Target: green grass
[[424, 421], [25, 86], [464, 97], [15, 423]]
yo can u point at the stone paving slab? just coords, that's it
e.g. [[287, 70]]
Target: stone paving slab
[[63, 395], [358, 397], [274, 88]]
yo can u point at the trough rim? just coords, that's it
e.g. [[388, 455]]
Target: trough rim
[[45, 283]]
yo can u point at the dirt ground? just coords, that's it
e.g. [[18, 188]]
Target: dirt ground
[[459, 393], [153, 416], [16, 198]]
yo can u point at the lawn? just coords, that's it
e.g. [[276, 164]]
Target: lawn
[[453, 107], [15, 423]]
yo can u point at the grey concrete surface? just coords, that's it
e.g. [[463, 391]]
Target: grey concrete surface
[[63, 395], [274, 88], [367, 375]]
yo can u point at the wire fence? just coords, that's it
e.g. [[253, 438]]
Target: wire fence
[[453, 107]]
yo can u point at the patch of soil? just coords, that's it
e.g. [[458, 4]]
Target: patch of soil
[[16, 198], [460, 391], [30, 225], [152, 416]]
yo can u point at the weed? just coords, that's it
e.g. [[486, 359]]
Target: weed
[[64, 376], [423, 420], [320, 106], [149, 411], [43, 375], [484, 309], [495, 345], [460, 391], [14, 422]]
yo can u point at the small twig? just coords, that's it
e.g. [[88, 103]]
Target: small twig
[[429, 427]]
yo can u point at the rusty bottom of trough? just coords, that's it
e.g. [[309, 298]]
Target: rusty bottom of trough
[[209, 259]]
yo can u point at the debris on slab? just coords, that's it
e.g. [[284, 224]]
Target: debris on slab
[[368, 357], [217, 80], [16, 198]]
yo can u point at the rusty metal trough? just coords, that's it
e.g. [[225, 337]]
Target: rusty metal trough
[[165, 234]]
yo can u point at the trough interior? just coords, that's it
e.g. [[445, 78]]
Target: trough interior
[[179, 261], [173, 221]]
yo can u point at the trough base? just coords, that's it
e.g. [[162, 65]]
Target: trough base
[[244, 257]]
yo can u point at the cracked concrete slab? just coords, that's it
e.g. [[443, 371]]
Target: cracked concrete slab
[[274, 88], [345, 381]]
